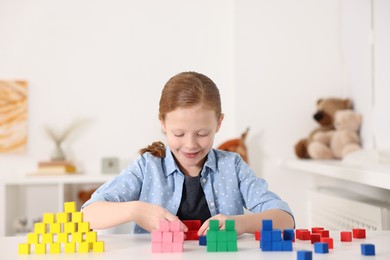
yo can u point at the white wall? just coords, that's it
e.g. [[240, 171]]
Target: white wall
[[287, 56], [105, 62]]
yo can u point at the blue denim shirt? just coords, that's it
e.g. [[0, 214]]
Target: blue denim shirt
[[228, 183]]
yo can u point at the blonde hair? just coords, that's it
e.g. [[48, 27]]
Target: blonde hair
[[184, 90]]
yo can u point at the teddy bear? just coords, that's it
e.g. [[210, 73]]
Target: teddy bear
[[237, 145], [326, 108], [336, 144]]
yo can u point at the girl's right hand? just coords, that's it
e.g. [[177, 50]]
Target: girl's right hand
[[148, 216]]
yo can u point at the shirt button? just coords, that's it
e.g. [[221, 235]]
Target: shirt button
[[212, 204], [204, 180]]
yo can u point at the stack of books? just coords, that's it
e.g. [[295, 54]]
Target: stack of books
[[56, 168]]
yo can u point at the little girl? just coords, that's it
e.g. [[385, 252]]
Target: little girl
[[187, 179]]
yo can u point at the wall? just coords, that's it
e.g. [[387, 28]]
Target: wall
[[287, 56], [104, 63]]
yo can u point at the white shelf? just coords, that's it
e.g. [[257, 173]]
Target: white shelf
[[376, 175], [29, 196], [59, 179]]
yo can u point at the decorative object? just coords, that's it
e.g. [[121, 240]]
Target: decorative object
[[110, 165], [324, 116], [237, 145], [59, 138], [13, 116]]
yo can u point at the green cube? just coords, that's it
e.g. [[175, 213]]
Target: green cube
[[212, 246], [230, 225], [211, 235], [222, 246], [214, 225], [221, 236], [232, 246], [231, 236]]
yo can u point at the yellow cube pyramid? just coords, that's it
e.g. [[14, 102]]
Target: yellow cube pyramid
[[64, 231]]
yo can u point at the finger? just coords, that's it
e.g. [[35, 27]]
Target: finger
[[203, 228], [170, 217]]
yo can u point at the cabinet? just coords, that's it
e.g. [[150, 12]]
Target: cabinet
[[359, 196], [31, 196]]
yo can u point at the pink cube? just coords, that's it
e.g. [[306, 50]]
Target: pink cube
[[178, 237], [156, 247], [165, 225], [177, 247], [176, 226], [167, 237], [166, 247], [156, 236]]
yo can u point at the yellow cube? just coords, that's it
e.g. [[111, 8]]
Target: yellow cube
[[91, 236], [70, 207], [40, 249], [70, 247], [40, 228], [62, 238], [98, 246], [77, 217], [83, 227], [62, 217], [84, 247], [47, 238], [77, 237], [32, 238], [24, 249], [69, 227], [48, 218], [55, 248], [55, 228]]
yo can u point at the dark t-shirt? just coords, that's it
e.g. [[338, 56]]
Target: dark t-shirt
[[193, 205]]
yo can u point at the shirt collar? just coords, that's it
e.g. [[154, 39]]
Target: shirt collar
[[171, 165]]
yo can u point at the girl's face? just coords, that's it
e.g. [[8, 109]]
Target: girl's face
[[190, 133]]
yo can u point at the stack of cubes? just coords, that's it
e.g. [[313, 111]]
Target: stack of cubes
[[221, 240], [62, 230], [193, 228], [271, 239], [168, 238]]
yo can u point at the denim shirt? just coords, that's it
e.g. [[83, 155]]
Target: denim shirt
[[228, 183]]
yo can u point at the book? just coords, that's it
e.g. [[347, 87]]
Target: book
[[54, 163], [55, 168], [64, 168]]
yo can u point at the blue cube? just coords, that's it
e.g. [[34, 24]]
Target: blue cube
[[304, 255], [267, 224], [202, 241], [321, 248], [367, 249], [289, 234]]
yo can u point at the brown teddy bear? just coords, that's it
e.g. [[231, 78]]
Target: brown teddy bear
[[336, 144], [326, 108]]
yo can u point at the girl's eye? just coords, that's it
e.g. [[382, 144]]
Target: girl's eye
[[179, 135], [203, 134]]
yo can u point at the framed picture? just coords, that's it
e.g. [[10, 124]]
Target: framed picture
[[13, 116]]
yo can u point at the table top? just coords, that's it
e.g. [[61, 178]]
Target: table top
[[125, 246]]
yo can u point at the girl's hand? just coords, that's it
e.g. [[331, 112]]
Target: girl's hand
[[148, 216], [221, 218]]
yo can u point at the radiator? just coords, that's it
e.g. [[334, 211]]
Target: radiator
[[338, 210]]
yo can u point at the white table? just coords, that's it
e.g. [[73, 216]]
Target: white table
[[139, 247]]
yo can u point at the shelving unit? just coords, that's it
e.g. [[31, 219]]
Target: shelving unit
[[336, 205], [377, 175], [32, 195]]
